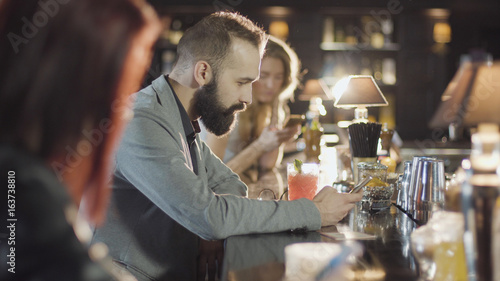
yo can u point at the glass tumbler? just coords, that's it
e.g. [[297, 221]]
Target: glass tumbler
[[424, 241], [304, 183], [377, 193]]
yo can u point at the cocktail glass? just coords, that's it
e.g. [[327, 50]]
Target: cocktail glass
[[423, 245], [377, 193], [303, 184]]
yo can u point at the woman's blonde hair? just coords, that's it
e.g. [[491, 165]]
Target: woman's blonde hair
[[259, 115], [276, 48]]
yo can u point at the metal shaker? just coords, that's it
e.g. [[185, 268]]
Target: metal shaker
[[428, 196], [404, 185], [416, 170]]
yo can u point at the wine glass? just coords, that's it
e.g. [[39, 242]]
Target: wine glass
[[266, 194]]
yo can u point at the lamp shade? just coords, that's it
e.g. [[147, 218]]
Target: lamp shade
[[472, 97], [359, 90], [315, 88]]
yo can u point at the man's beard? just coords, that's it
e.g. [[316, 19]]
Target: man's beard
[[216, 118]]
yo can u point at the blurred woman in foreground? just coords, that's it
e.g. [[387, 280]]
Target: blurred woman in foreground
[[67, 70]]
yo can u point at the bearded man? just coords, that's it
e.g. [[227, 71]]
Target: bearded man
[[169, 188]]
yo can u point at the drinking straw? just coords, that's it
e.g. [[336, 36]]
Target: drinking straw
[[363, 139]]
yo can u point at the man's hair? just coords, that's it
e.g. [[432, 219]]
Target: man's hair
[[210, 39]]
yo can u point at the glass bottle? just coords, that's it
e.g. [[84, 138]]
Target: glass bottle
[[313, 131], [384, 154], [485, 153]]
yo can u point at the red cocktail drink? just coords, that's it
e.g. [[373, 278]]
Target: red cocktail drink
[[303, 184]]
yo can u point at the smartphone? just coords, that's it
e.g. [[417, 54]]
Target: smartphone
[[361, 184], [295, 119]]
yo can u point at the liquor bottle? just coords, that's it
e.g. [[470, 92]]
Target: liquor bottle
[[312, 133], [339, 34], [365, 66], [328, 30], [176, 32], [377, 70], [350, 35], [384, 153], [377, 38], [389, 71], [387, 28], [485, 153]]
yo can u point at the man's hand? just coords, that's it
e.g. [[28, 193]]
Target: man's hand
[[334, 206], [210, 256], [272, 138]]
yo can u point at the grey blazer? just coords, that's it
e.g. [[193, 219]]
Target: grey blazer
[[159, 205]]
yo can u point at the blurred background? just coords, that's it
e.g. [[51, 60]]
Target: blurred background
[[412, 49]]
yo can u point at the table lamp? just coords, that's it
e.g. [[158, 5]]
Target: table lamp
[[315, 88], [315, 91], [359, 92], [472, 97]]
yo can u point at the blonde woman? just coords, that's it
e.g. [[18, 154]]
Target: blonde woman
[[255, 145]]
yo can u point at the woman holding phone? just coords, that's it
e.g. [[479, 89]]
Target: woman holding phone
[[255, 145], [64, 101]]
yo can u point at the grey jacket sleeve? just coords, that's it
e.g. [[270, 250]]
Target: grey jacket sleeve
[[152, 160]]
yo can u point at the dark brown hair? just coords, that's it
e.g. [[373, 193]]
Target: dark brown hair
[[211, 38], [59, 72]]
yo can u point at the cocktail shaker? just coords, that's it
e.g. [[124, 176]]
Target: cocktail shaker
[[404, 185], [428, 196], [416, 170]]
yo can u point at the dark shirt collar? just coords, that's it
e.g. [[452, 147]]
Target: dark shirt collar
[[191, 128]]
